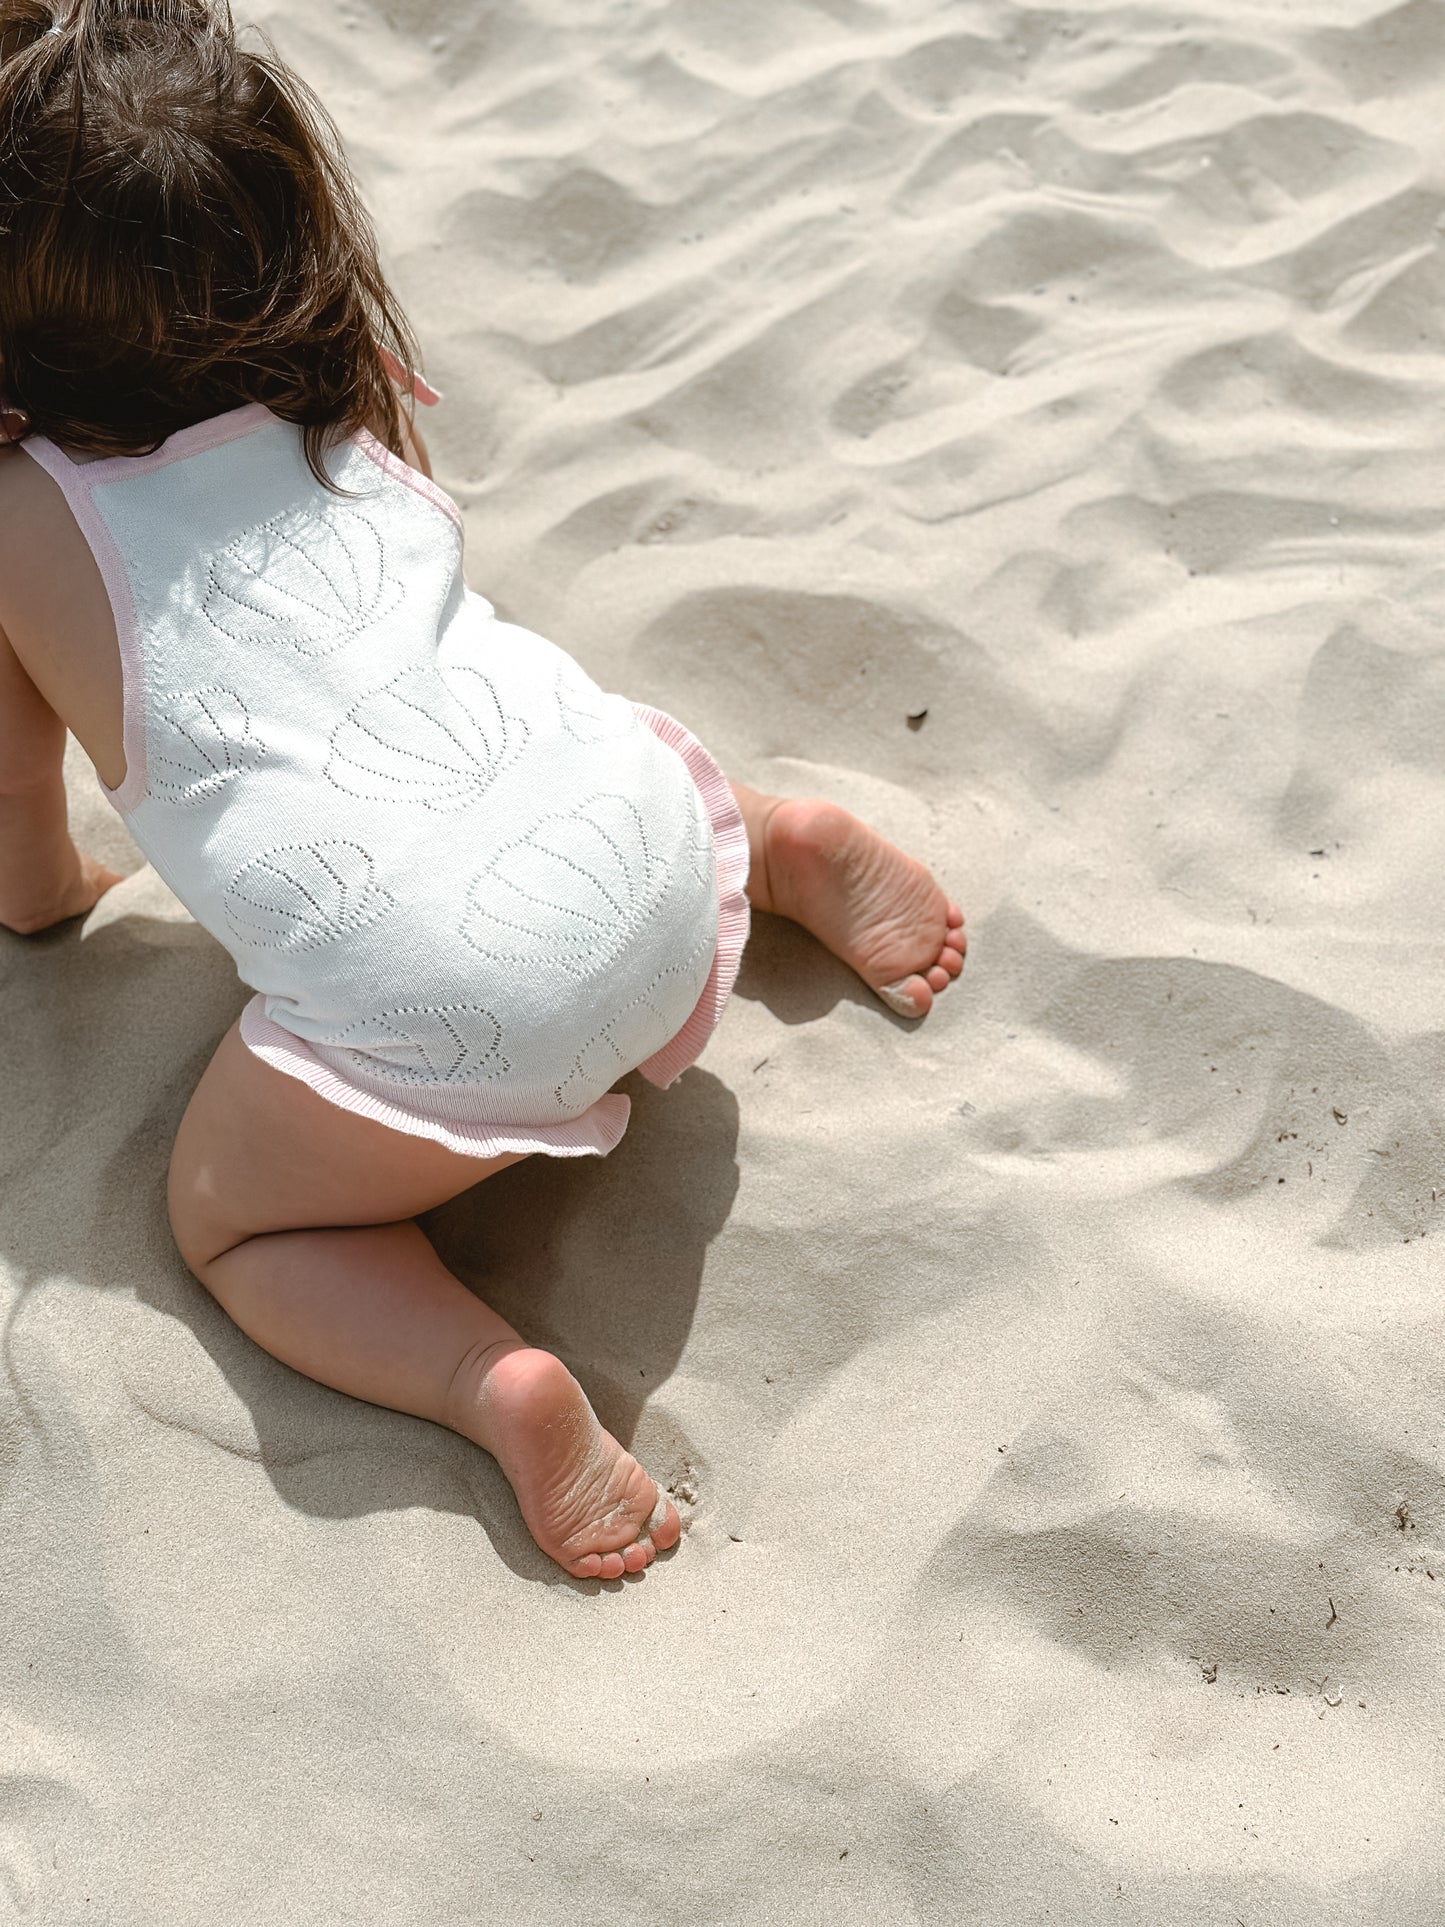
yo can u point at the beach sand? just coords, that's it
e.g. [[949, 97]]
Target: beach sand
[[1053, 1391]]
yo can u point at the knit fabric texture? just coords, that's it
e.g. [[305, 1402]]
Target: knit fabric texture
[[470, 889]]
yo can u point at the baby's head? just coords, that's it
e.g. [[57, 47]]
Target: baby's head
[[179, 234]]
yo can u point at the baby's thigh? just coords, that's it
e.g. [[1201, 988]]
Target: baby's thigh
[[259, 1151]]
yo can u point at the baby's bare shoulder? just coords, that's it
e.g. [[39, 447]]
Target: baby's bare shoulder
[[15, 467], [40, 542], [32, 509], [40, 545]]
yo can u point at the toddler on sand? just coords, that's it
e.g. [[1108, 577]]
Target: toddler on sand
[[469, 890]]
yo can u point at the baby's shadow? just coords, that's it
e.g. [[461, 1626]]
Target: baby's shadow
[[599, 1260]]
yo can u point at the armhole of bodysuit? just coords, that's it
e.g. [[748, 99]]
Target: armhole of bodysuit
[[74, 484]]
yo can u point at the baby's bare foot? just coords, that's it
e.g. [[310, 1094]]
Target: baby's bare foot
[[874, 907], [587, 1503]]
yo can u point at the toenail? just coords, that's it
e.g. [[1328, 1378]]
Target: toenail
[[655, 1518], [897, 998]]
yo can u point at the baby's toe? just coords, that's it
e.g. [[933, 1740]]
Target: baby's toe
[[909, 997], [588, 1568], [664, 1528], [613, 1566], [636, 1556], [951, 959], [938, 978]]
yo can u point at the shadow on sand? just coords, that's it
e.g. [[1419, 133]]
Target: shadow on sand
[[794, 977], [599, 1260]]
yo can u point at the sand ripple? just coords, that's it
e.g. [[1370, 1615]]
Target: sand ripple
[[1055, 1392]]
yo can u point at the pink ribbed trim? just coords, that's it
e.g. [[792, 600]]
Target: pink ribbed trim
[[195, 440], [593, 1134], [730, 839], [401, 471]]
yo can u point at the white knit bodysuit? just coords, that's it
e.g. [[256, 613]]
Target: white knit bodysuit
[[470, 889]]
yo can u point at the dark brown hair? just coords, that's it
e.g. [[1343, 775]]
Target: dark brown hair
[[179, 234]]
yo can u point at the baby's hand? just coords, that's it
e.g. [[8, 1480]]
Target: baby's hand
[[85, 890]]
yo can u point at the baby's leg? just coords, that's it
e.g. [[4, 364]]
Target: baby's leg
[[874, 907], [296, 1216]]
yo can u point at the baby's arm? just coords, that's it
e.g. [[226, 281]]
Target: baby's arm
[[43, 877]]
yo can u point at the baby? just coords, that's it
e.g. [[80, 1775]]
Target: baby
[[469, 890]]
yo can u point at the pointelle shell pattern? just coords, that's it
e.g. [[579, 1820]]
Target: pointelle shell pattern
[[446, 1044], [570, 893], [632, 1034], [586, 713], [310, 582], [198, 741], [305, 894], [436, 734]]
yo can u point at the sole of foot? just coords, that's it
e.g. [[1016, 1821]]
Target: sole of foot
[[586, 1501], [871, 905]]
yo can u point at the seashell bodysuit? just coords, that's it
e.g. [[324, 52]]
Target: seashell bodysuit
[[470, 889]]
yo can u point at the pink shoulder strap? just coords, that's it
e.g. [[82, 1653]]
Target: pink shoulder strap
[[61, 470]]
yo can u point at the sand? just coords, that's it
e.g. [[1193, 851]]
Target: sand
[[1053, 1391]]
